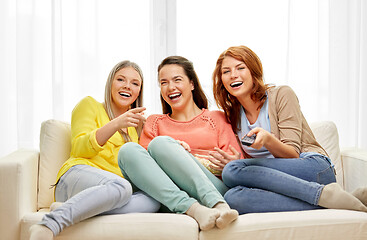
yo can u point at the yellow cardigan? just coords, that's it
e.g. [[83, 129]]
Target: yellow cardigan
[[88, 116]]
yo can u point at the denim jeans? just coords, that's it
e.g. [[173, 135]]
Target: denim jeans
[[170, 174], [87, 191], [277, 184]]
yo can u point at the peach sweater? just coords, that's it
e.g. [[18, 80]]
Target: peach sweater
[[204, 132]]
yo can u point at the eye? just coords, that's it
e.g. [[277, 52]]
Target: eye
[[241, 68], [225, 71], [178, 79], [163, 83], [136, 84]]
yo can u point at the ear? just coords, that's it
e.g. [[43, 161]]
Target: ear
[[192, 85]]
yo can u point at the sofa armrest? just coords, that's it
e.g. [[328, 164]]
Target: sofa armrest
[[354, 162], [18, 190]]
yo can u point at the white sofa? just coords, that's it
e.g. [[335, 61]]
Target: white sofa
[[25, 195]]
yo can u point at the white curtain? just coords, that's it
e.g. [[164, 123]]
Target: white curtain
[[54, 52]]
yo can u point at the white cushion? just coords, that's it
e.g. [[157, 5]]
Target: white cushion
[[55, 146], [355, 168], [323, 224], [327, 136], [138, 226]]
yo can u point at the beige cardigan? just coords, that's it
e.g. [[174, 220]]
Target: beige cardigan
[[287, 122]]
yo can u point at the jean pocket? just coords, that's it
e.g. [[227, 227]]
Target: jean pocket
[[326, 176]]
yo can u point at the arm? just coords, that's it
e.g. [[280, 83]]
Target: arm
[[229, 148], [286, 122], [149, 131], [274, 145], [91, 129], [131, 118]]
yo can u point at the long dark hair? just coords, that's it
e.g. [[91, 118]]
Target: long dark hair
[[198, 94]]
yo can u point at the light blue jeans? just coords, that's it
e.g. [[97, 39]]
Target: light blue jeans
[[170, 174], [277, 184], [87, 191]]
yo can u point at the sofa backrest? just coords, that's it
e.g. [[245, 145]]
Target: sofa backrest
[[327, 136], [55, 146]]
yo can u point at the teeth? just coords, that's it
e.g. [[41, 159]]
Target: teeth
[[174, 95], [125, 94], [236, 84]]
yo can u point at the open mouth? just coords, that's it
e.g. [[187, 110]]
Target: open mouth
[[236, 84], [174, 96], [124, 94]]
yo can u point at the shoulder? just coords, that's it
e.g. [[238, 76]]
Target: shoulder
[[282, 90], [88, 106], [216, 115], [156, 117], [154, 120], [216, 118], [88, 101]]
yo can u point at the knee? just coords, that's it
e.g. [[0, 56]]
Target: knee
[[235, 199], [127, 152], [160, 142], [230, 172], [121, 190]]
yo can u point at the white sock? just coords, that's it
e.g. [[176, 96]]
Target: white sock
[[203, 215], [227, 215]]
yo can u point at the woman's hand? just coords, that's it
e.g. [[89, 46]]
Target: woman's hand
[[131, 118], [221, 158], [272, 144], [184, 145], [262, 137]]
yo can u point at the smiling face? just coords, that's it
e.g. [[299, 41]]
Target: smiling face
[[176, 87], [236, 77], [125, 89]]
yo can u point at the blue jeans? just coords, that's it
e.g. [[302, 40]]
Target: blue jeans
[[277, 184], [170, 174], [87, 191]]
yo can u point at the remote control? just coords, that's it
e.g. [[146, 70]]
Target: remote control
[[248, 141]]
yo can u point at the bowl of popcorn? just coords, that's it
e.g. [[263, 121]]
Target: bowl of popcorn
[[203, 157]]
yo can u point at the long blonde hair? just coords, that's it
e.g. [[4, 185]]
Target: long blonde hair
[[108, 97]]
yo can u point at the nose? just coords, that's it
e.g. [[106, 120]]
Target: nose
[[126, 85], [234, 74], [171, 85]]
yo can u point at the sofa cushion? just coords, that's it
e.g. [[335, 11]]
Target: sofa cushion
[[327, 136], [138, 226], [55, 146], [323, 224]]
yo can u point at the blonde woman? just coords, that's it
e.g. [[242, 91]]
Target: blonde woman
[[90, 182]]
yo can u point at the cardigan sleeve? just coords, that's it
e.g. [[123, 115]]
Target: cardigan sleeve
[[289, 117]]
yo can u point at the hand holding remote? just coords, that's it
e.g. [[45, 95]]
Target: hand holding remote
[[248, 140]]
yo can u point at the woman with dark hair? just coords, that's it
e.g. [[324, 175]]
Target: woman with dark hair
[[168, 171], [90, 182], [286, 168]]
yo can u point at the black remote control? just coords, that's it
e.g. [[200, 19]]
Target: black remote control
[[248, 141]]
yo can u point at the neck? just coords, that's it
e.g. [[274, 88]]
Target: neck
[[186, 114], [251, 107], [118, 111]]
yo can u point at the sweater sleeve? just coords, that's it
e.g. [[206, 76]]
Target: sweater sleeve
[[149, 131], [289, 117], [226, 136], [84, 128]]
